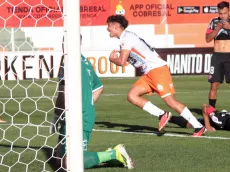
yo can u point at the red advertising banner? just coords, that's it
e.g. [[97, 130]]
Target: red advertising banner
[[94, 12], [166, 11], [17, 13]]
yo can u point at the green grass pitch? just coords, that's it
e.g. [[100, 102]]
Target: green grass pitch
[[32, 102]]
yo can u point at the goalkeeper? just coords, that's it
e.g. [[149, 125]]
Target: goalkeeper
[[91, 90]]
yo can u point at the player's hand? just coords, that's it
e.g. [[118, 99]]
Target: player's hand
[[210, 129], [219, 26], [113, 55], [226, 25]]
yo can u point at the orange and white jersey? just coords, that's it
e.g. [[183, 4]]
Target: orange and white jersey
[[142, 55]]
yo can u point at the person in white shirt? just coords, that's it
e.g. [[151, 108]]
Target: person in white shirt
[[156, 75]]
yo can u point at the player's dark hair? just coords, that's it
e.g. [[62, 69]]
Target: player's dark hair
[[119, 19], [222, 5]]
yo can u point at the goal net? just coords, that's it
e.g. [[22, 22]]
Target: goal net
[[31, 33]]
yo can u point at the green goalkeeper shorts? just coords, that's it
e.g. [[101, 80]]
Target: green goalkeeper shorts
[[86, 138]]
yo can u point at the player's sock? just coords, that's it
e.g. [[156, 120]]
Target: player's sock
[[178, 120], [152, 109], [106, 156], [212, 102], [91, 159], [186, 114]]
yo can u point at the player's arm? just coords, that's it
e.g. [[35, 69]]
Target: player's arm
[[119, 60], [97, 93], [211, 32], [206, 110]]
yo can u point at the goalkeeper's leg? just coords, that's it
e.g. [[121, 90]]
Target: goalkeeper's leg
[[92, 159], [59, 109]]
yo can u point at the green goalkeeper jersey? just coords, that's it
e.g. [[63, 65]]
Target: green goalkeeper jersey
[[90, 83]]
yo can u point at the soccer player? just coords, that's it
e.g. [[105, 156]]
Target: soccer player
[[59, 108], [219, 31], [91, 90], [156, 77], [212, 119]]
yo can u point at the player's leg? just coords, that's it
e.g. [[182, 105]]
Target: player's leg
[[59, 108], [153, 79], [215, 77], [61, 146], [180, 121], [135, 94], [92, 159], [185, 113], [118, 153], [213, 93], [163, 85]]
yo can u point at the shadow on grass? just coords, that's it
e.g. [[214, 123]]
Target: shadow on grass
[[138, 128]]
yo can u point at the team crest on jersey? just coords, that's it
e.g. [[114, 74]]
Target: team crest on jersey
[[160, 87]]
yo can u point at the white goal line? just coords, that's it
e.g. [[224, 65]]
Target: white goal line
[[165, 134], [108, 95], [130, 132]]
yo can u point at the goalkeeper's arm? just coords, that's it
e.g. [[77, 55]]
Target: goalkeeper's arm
[[97, 93]]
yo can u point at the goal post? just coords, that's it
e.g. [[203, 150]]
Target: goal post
[[31, 54], [73, 85]]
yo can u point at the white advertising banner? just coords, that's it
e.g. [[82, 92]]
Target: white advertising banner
[[29, 65], [104, 68], [40, 65], [189, 63]]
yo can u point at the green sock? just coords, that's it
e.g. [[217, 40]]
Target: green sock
[[106, 156], [91, 159]]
